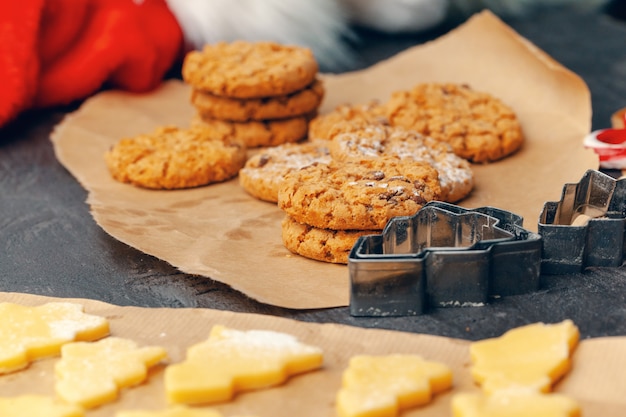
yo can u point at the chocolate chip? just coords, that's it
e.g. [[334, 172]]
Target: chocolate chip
[[391, 195], [418, 199], [263, 160], [419, 185], [385, 196]]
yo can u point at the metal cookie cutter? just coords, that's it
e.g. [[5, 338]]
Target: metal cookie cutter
[[443, 255], [586, 227]]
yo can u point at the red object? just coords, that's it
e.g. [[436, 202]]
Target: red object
[[612, 136], [611, 155], [54, 52]]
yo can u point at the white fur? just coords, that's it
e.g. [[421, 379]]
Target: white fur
[[397, 15], [318, 24], [324, 25]]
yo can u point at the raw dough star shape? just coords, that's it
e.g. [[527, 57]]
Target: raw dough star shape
[[381, 386], [37, 405], [531, 357], [512, 403], [231, 361], [30, 333], [91, 374]]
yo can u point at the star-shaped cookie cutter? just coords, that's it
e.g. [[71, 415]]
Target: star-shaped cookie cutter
[[586, 227], [444, 256]]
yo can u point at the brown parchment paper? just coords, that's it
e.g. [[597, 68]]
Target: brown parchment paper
[[222, 233], [596, 380]]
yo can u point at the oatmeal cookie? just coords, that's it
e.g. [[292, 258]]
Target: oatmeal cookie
[[373, 141], [262, 174], [478, 126], [257, 133], [171, 158], [325, 125], [325, 245], [244, 69], [357, 195], [239, 110]]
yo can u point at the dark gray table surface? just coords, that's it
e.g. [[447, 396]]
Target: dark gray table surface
[[50, 245]]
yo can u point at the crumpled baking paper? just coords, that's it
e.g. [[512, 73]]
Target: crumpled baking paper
[[221, 232]]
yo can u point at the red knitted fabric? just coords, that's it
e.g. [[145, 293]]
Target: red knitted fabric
[[53, 52]]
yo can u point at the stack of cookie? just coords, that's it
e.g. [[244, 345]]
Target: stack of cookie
[[265, 93], [371, 169], [366, 163], [329, 206]]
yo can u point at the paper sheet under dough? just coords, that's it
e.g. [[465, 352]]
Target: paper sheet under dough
[[596, 380], [221, 232]]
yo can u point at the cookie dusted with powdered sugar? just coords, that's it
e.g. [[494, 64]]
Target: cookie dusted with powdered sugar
[[263, 173], [373, 141], [357, 195], [324, 245], [478, 126], [246, 70], [171, 158]]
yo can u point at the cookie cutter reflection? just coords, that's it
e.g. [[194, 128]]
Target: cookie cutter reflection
[[442, 256]]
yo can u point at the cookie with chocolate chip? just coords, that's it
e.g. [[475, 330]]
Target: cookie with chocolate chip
[[299, 103], [259, 133], [479, 127], [244, 70], [373, 141], [324, 245], [172, 158], [324, 126], [263, 173], [357, 195]]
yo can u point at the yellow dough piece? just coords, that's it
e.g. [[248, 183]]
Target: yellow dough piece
[[533, 356], [37, 406], [512, 403], [91, 374], [381, 386], [176, 411], [231, 361], [30, 333]]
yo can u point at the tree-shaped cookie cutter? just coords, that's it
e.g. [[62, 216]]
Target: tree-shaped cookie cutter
[[586, 227], [444, 256]]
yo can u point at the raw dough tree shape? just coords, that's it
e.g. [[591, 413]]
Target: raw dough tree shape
[[530, 357], [231, 361], [382, 386], [517, 370], [37, 405], [514, 403], [91, 374], [30, 333]]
